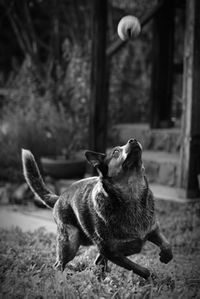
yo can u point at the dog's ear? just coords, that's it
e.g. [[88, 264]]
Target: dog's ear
[[97, 161], [94, 158]]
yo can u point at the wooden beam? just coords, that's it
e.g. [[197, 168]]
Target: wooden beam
[[162, 68], [190, 151], [99, 78]]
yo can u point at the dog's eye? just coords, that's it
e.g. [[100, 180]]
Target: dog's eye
[[116, 153]]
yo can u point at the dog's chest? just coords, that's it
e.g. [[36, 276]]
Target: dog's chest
[[123, 223], [121, 233], [122, 218]]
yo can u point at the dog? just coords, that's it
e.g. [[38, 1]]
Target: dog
[[114, 210]]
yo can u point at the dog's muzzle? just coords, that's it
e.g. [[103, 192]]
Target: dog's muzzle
[[132, 153], [132, 145]]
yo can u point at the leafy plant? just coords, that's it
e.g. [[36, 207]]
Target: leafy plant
[[46, 116]]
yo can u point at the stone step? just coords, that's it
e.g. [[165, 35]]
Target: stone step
[[170, 194], [151, 139], [161, 167]]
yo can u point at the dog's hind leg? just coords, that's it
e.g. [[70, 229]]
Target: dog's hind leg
[[68, 242], [124, 262]]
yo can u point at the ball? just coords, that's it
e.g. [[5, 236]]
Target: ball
[[128, 28]]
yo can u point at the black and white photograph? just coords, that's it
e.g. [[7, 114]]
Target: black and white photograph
[[99, 149]]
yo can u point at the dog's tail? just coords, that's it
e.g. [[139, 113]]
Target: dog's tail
[[35, 181]]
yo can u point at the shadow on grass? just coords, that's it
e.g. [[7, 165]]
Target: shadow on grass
[[26, 264]]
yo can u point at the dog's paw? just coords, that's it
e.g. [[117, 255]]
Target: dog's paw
[[146, 274], [166, 255], [58, 266]]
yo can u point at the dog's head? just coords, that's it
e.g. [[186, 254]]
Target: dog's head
[[118, 161]]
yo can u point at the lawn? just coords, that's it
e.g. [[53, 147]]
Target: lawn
[[26, 264]]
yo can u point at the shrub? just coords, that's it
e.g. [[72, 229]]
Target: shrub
[[45, 116]]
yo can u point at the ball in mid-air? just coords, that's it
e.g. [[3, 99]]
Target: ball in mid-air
[[128, 28]]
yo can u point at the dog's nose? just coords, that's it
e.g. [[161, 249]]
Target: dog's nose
[[132, 141]]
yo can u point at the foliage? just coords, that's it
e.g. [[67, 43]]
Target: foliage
[[45, 116], [40, 27], [46, 109], [26, 261]]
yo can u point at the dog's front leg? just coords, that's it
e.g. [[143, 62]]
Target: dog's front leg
[[159, 239], [101, 261], [124, 262]]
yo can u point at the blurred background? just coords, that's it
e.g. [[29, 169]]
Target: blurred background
[[45, 77]]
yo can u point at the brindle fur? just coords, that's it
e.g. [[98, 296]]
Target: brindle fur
[[114, 211]]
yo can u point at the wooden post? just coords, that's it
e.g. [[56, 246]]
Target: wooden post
[[162, 68], [99, 87], [190, 151]]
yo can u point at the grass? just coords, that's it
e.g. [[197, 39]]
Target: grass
[[26, 264]]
